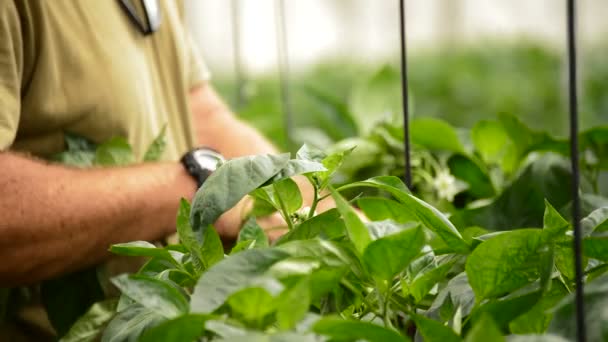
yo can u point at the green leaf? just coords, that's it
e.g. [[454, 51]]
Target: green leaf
[[537, 319], [157, 147], [90, 325], [388, 256], [435, 134], [596, 246], [287, 194], [242, 246], [296, 167], [596, 313], [114, 152], [504, 263], [536, 338], [474, 174], [554, 225], [153, 294], [332, 163], [596, 221], [376, 100], [436, 222], [186, 328], [378, 209], [331, 253], [212, 249], [142, 249], [252, 304], [433, 331], [187, 237], [251, 231], [327, 224], [357, 232], [231, 275], [345, 330], [229, 184], [484, 330], [380, 229], [294, 302], [310, 153], [424, 282], [130, 323], [490, 139], [68, 297], [391, 184], [457, 293], [506, 309]]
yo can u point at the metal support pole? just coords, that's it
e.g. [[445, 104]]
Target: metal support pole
[[404, 95], [574, 157], [239, 96], [283, 63]]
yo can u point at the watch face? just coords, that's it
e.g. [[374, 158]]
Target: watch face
[[207, 160]]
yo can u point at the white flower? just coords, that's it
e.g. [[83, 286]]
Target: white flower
[[445, 185]]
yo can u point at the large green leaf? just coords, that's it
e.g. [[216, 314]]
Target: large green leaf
[[596, 246], [436, 222], [153, 294], [596, 313], [354, 227], [424, 282], [142, 249], [327, 224], [212, 249], [129, 324], [296, 167], [505, 310], [484, 330], [287, 195], [474, 174], [89, 326], [231, 275], [229, 184], [378, 209], [596, 221], [489, 138], [187, 237], [390, 184], [186, 328], [294, 302], [504, 263], [434, 331], [387, 256], [554, 225], [435, 134], [252, 304], [376, 99], [536, 338], [251, 231], [345, 330]]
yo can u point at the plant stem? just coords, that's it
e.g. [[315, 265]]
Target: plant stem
[[284, 211], [315, 201]]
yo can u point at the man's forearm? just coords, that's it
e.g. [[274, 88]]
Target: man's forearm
[[55, 219]]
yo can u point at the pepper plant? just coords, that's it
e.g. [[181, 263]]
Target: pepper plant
[[408, 273]]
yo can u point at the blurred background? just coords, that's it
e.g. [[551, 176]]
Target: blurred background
[[468, 60]]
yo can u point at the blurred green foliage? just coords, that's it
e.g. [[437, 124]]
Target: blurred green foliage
[[461, 85]]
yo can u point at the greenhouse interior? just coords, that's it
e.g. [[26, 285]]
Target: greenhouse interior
[[304, 170]]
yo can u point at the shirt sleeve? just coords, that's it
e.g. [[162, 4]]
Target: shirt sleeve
[[11, 70], [198, 72]]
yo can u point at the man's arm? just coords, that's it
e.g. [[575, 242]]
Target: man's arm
[[55, 219]]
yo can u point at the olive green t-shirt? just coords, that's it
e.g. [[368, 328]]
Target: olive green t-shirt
[[81, 66]]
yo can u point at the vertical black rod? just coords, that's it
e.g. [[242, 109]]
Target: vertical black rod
[[283, 63], [574, 157], [404, 95], [239, 96]]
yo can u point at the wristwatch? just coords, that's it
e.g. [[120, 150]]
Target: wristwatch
[[201, 162]]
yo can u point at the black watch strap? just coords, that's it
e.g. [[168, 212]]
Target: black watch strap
[[201, 162]]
